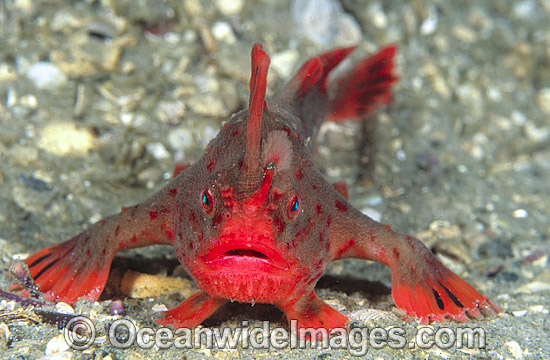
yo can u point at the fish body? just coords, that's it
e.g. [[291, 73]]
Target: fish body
[[254, 221]]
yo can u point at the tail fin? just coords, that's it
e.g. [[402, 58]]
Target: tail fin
[[364, 87]]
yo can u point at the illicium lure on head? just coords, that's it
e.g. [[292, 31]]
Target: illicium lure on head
[[254, 221]]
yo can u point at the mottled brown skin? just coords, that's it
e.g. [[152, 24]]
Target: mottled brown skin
[[254, 221]]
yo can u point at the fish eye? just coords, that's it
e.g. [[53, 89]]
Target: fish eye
[[206, 200], [294, 206]]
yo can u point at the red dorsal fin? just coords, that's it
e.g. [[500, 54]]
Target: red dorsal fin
[[258, 84], [315, 71], [364, 87]]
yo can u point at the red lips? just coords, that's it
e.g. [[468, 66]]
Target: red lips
[[237, 252]]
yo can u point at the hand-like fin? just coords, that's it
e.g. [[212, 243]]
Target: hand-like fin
[[313, 313], [79, 267], [192, 311], [421, 284]]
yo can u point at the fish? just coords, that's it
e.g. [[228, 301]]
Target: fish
[[254, 221]]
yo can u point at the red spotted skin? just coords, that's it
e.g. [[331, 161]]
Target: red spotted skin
[[254, 221]]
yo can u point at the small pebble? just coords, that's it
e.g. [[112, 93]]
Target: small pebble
[[180, 138], [538, 309], [7, 305], [374, 200], [533, 287], [171, 112], [324, 22], [227, 354], [445, 230], [222, 31], [469, 95], [372, 213], [117, 308], [518, 118], [208, 133], [376, 14], [535, 255], [541, 262], [519, 313], [401, 155], [494, 94], [34, 183], [519, 60], [7, 73], [348, 31], [66, 18], [206, 83], [492, 270], [283, 62], [29, 101], [208, 105], [438, 353], [464, 33], [524, 9], [5, 334], [230, 7], [66, 138], [57, 345], [31, 193], [371, 315], [11, 97], [158, 151], [150, 176], [429, 25], [207, 39], [543, 99], [64, 308], [159, 307], [536, 134], [520, 214], [514, 349], [46, 76]]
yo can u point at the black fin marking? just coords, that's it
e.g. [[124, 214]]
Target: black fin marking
[[453, 298], [438, 300], [39, 260], [46, 268]]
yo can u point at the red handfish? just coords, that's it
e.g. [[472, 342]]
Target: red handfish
[[254, 221]]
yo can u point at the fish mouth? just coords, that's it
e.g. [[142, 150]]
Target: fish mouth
[[251, 256], [246, 252], [246, 269]]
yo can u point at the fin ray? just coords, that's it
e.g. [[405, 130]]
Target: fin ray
[[364, 87]]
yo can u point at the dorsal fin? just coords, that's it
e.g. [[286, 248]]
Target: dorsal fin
[[315, 71], [258, 84], [364, 87]]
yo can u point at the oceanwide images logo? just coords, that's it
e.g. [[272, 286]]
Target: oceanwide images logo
[[80, 334]]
